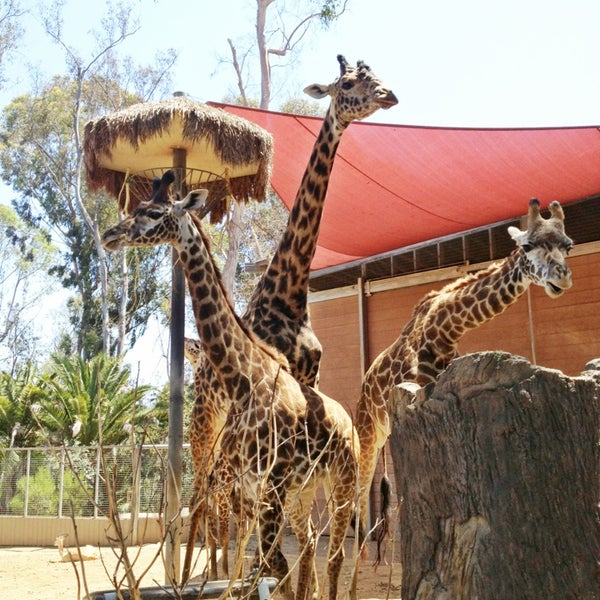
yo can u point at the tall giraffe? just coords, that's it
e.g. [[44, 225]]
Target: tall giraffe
[[277, 312], [428, 342], [282, 439]]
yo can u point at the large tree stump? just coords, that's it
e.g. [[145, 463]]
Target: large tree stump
[[497, 465]]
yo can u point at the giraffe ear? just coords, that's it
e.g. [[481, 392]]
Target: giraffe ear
[[520, 237], [317, 91], [193, 201]]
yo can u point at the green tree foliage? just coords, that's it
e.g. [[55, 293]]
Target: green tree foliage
[[42, 490], [42, 160], [303, 106], [86, 402], [20, 395], [329, 10], [38, 161], [42, 494]]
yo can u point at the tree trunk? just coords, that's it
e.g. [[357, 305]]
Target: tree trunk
[[498, 468], [234, 235]]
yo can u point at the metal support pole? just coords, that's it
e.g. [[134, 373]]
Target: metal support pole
[[61, 482], [363, 328], [173, 523], [134, 505], [363, 336]]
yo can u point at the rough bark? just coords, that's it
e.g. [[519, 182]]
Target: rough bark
[[497, 465]]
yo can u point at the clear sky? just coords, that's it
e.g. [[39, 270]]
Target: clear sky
[[472, 63]]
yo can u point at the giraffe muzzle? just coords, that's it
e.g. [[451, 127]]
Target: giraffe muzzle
[[386, 99], [111, 238], [556, 289]]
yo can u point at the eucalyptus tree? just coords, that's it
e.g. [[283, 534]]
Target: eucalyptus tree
[[42, 160], [25, 257], [10, 31]]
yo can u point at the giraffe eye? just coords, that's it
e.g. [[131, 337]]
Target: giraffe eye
[[155, 214], [527, 247], [347, 85]]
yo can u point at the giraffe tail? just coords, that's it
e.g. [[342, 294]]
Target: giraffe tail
[[383, 526]]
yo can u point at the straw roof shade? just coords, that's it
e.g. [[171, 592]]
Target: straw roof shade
[[225, 153]]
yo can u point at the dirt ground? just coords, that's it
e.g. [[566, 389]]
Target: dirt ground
[[39, 574]]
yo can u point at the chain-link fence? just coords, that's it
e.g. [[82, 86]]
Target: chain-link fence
[[78, 481]]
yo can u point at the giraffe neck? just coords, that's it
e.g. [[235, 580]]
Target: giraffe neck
[[286, 279], [234, 355], [464, 305], [490, 293]]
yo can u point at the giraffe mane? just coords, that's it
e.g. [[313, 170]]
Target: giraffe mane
[[461, 282], [272, 352], [467, 279]]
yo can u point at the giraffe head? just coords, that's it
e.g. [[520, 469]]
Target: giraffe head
[[192, 350], [356, 93], [545, 247], [155, 221]]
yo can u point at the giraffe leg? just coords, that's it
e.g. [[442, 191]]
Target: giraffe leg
[[224, 514], [220, 509], [240, 512], [368, 462], [343, 509], [212, 535], [299, 510], [195, 517], [272, 559]]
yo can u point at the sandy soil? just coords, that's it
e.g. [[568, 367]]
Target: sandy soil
[[39, 574]]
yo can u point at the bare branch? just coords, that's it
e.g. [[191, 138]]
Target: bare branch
[[238, 72], [300, 30]]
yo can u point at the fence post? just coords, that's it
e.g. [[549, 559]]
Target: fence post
[[61, 481], [28, 474], [134, 505], [97, 481]]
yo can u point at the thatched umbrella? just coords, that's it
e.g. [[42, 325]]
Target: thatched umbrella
[[230, 156], [128, 146]]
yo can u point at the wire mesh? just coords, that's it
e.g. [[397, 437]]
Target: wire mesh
[[77, 480]]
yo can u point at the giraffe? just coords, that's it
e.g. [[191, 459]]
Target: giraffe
[[277, 311], [219, 483], [281, 437], [428, 342]]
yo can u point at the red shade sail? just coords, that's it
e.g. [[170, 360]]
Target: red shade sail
[[394, 185]]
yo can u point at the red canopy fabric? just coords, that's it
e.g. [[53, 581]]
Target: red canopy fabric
[[394, 185]]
